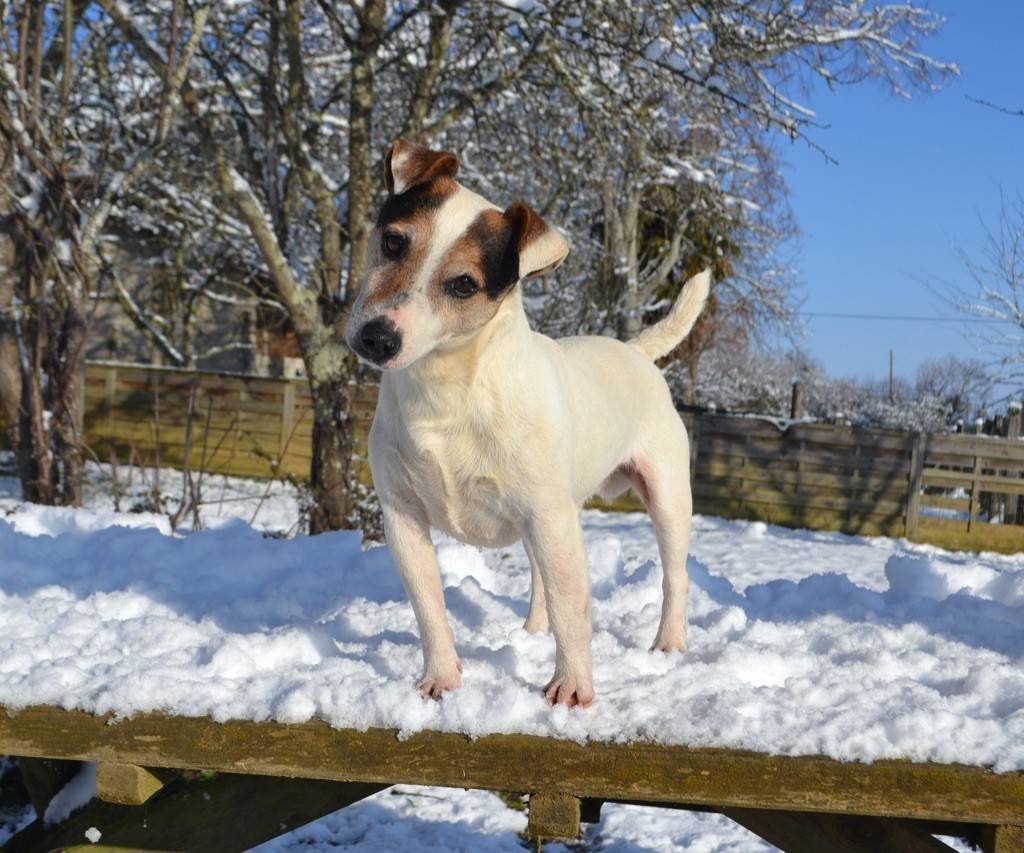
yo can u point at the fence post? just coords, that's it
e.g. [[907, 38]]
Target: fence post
[[287, 419], [109, 392], [972, 516], [1013, 419], [796, 401], [914, 486], [694, 444]]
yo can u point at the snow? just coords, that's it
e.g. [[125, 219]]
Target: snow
[[800, 643], [408, 818], [75, 794]]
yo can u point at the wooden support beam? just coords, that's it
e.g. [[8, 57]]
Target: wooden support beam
[[1002, 839], [227, 813], [803, 832], [553, 816], [45, 777], [127, 784]]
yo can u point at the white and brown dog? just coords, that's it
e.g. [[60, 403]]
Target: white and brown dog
[[492, 432]]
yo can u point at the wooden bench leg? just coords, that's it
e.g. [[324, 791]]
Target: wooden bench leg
[[553, 816], [1002, 839], [808, 832]]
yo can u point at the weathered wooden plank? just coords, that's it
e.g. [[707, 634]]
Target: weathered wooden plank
[[172, 377], [987, 447], [1009, 485], [608, 771], [137, 405], [752, 428], [839, 458], [831, 500], [797, 832], [808, 517], [176, 425], [839, 481], [944, 502], [953, 534]]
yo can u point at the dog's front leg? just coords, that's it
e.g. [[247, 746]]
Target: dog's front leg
[[408, 536], [555, 546]]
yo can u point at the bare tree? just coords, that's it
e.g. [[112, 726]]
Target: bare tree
[[960, 387], [70, 142], [995, 295], [653, 128], [289, 104]]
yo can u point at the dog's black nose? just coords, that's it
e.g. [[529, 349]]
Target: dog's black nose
[[380, 340]]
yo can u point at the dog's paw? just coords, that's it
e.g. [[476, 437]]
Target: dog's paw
[[669, 642], [434, 685], [569, 691]]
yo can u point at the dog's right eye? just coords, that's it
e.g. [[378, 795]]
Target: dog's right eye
[[393, 245]]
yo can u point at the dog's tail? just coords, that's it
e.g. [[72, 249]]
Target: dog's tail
[[661, 338]]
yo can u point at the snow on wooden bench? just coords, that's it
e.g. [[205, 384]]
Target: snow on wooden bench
[[797, 803], [898, 663]]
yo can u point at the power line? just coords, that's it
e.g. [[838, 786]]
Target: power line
[[901, 318]]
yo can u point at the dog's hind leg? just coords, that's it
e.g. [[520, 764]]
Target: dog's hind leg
[[537, 619], [664, 487]]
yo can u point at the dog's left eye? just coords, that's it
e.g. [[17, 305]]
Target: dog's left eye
[[462, 287], [393, 244]]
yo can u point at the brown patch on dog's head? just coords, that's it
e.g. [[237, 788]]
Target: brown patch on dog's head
[[540, 248], [475, 274], [408, 165]]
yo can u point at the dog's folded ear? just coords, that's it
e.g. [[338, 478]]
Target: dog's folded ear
[[408, 164], [540, 247]]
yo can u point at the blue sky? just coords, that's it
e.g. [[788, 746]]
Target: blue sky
[[913, 177]]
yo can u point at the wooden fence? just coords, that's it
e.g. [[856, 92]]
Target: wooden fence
[[224, 423], [951, 490]]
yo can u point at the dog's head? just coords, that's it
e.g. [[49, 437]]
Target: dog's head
[[441, 260]]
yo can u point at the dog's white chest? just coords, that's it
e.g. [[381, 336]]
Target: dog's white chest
[[454, 473]]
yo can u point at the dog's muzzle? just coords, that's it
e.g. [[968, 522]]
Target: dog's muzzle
[[378, 341]]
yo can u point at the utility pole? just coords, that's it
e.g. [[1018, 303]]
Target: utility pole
[[890, 377]]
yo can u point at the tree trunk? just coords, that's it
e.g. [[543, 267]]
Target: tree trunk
[[333, 446], [10, 361], [362, 183], [330, 365], [622, 216], [35, 464], [68, 414]]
